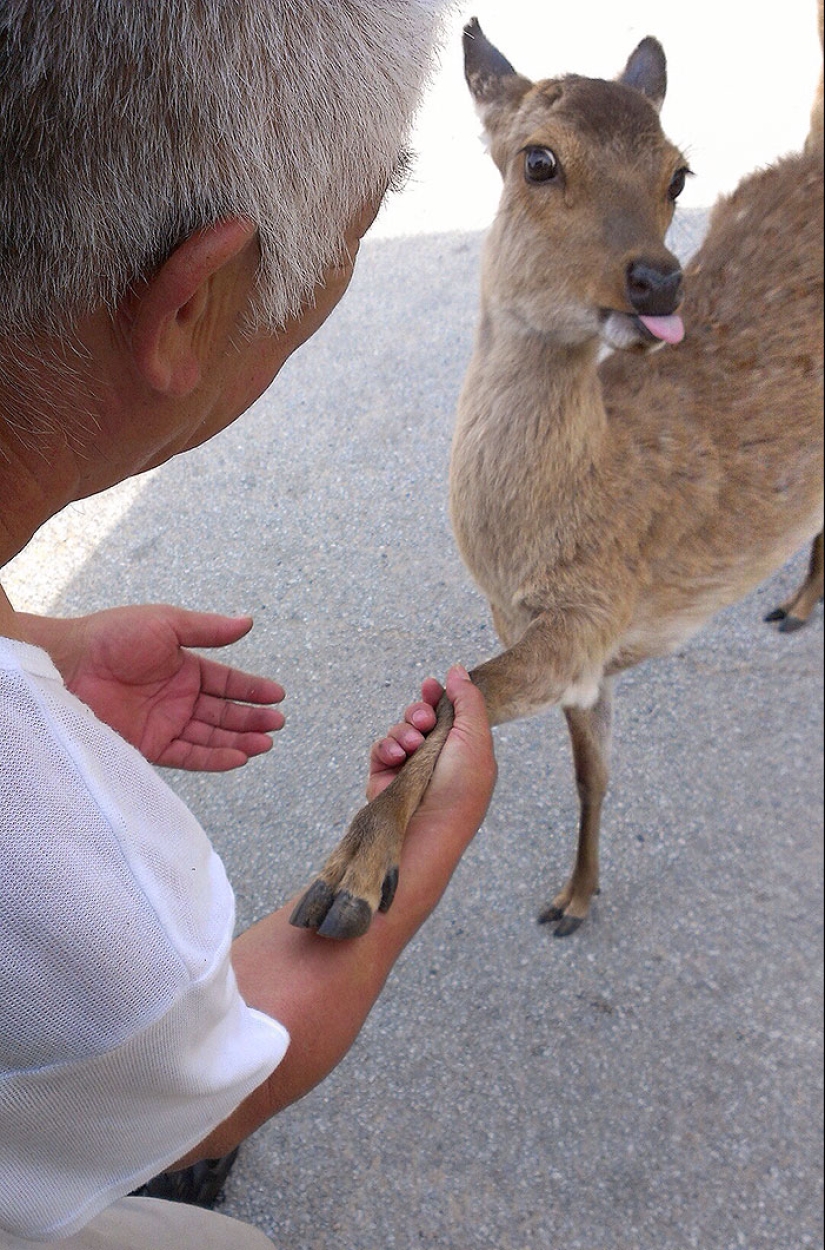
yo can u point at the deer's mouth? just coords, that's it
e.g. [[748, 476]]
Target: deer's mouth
[[663, 329], [632, 332]]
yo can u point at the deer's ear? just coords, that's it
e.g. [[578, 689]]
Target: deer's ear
[[493, 83], [646, 71]]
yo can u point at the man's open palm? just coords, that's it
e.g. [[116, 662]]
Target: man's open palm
[[134, 669]]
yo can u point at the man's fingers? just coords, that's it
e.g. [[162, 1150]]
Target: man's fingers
[[406, 737], [237, 717], [387, 753], [198, 759], [207, 629], [431, 691], [401, 741], [231, 683], [421, 716], [213, 738]]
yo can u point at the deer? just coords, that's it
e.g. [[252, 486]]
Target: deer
[[636, 447]]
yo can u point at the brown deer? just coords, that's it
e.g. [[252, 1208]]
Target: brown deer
[[607, 511]]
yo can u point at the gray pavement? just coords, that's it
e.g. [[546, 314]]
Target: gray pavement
[[652, 1083]]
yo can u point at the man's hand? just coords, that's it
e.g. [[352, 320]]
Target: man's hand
[[466, 769], [389, 755], [456, 799], [133, 668]]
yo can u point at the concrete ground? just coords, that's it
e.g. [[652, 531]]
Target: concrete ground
[[655, 1081]]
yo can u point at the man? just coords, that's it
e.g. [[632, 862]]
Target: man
[[183, 190]]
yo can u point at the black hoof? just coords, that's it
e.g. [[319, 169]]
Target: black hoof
[[313, 907], [566, 926], [778, 614], [348, 917], [388, 890], [551, 915]]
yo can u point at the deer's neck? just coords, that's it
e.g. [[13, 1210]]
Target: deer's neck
[[530, 436], [541, 394]]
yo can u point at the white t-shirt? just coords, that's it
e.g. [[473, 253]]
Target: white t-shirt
[[123, 1038]]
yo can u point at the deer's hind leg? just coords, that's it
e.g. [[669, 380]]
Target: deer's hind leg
[[590, 737], [795, 613]]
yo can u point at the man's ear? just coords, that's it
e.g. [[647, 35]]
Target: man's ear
[[173, 314]]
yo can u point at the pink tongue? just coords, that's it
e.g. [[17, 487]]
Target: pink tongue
[[670, 329]]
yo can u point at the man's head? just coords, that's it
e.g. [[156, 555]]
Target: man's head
[[125, 127]]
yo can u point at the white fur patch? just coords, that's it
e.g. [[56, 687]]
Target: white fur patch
[[620, 332], [583, 694]]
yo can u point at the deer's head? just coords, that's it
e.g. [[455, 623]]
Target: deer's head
[[590, 183]]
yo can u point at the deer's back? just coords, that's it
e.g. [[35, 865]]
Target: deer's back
[[740, 401]]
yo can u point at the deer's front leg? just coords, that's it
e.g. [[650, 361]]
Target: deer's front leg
[[558, 663], [558, 659], [590, 734], [361, 875]]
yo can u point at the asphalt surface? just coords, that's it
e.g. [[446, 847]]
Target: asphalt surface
[[653, 1082]]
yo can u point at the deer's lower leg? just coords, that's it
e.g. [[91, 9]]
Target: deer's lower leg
[[361, 875], [590, 733], [795, 613]]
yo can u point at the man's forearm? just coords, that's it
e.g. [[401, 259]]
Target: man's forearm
[[323, 991], [320, 991]]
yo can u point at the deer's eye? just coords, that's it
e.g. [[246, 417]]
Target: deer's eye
[[677, 183], [540, 165]]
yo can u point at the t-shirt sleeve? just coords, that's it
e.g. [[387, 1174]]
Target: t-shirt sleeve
[[80, 1135], [123, 1037]]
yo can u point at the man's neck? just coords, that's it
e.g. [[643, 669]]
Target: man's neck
[[55, 441], [36, 482]]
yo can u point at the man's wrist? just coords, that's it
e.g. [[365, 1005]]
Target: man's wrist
[[52, 634]]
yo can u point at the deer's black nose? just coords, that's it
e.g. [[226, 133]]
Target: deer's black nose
[[655, 290]]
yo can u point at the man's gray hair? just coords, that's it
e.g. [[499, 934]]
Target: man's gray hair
[[125, 126]]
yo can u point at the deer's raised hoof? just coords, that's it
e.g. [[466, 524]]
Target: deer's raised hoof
[[340, 914], [348, 917], [313, 907], [359, 878], [332, 915], [388, 890]]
